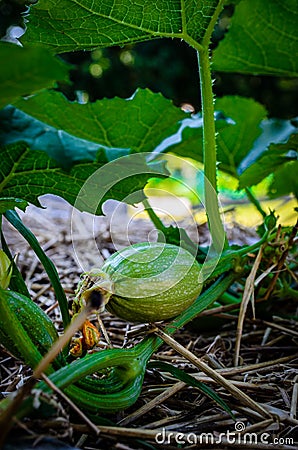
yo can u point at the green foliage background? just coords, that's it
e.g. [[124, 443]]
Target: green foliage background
[[168, 66], [260, 39]]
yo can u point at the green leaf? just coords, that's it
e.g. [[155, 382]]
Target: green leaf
[[17, 282], [188, 140], [27, 70], [138, 124], [236, 141], [235, 136], [242, 134], [68, 25], [191, 381], [273, 131], [49, 267], [12, 203], [30, 174], [285, 180], [279, 160], [64, 148], [261, 40]]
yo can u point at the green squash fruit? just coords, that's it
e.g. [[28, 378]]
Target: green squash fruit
[[150, 282], [35, 322]]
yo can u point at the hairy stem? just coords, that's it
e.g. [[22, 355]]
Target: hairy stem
[[219, 239], [209, 154]]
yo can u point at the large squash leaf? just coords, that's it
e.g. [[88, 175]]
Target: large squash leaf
[[138, 124], [7, 203], [261, 40], [236, 141], [243, 134], [70, 25], [235, 135], [27, 70], [281, 160], [59, 145], [27, 174]]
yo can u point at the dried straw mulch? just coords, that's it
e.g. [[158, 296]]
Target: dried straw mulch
[[267, 373]]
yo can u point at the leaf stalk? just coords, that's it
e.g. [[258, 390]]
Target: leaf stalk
[[219, 239]]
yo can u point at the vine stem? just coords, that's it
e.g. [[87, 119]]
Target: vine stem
[[255, 201], [219, 239], [154, 218], [216, 228]]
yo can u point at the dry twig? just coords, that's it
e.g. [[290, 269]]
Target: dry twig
[[236, 393], [247, 296]]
